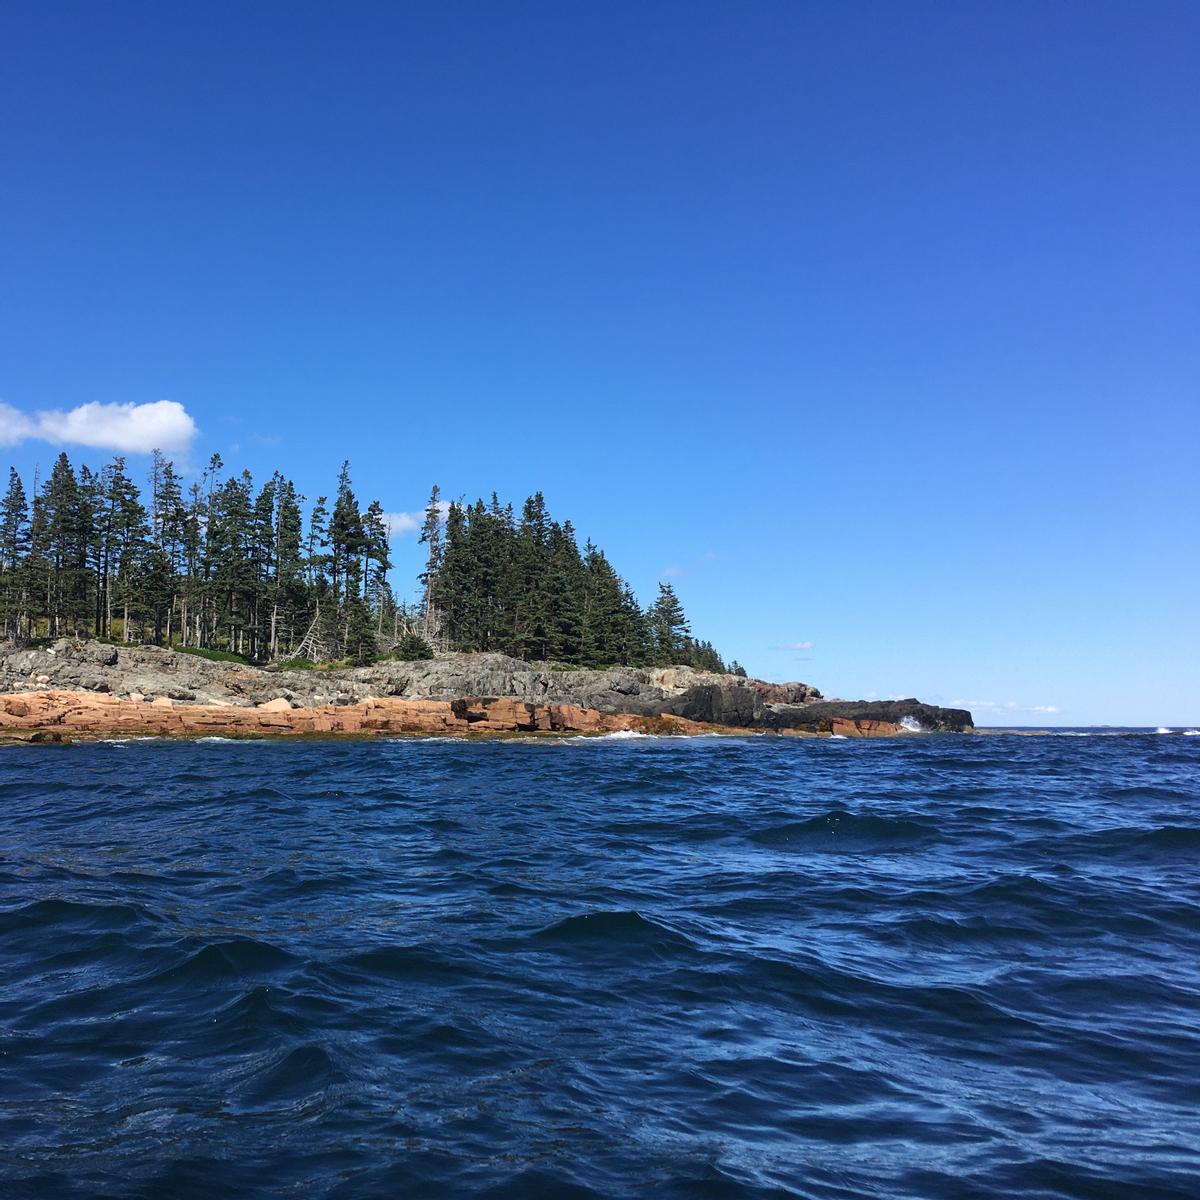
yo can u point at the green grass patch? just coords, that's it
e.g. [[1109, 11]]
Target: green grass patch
[[214, 655]]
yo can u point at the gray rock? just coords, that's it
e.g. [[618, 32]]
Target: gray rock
[[646, 691]]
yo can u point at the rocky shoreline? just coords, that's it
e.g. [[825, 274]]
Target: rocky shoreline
[[83, 689]]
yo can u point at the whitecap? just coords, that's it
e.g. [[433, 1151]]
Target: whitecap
[[1164, 729], [911, 725]]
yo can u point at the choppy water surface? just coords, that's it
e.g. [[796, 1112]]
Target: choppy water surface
[[960, 967]]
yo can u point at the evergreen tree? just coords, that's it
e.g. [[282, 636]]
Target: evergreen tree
[[65, 545], [453, 581], [669, 628], [345, 541], [532, 619], [601, 639], [14, 549], [565, 586], [287, 573], [431, 536], [361, 646], [377, 562], [411, 647]]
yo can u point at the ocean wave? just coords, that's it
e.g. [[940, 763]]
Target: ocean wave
[[401, 962], [58, 915], [237, 958], [299, 1076], [1156, 842], [840, 830], [622, 931]]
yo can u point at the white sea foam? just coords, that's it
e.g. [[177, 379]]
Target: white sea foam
[[1164, 729], [1191, 733], [838, 737], [911, 725]]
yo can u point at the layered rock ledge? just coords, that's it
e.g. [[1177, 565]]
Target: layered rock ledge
[[65, 716], [150, 692]]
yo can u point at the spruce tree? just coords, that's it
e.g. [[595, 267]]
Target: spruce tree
[[669, 628], [412, 647], [361, 646], [14, 548], [345, 541], [566, 591], [431, 536], [287, 571]]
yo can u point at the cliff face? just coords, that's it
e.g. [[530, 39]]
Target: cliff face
[[695, 696]]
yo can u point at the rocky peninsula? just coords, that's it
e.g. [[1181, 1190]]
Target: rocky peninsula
[[77, 689]]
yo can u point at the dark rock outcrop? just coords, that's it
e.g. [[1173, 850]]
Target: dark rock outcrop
[[919, 717], [718, 703]]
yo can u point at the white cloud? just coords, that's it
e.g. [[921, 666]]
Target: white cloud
[[127, 428], [401, 524], [795, 646], [1044, 708], [14, 426]]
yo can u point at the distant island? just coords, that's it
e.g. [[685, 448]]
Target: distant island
[[224, 611]]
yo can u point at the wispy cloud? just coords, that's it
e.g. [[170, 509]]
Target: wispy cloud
[[787, 646], [127, 428], [401, 524], [677, 572]]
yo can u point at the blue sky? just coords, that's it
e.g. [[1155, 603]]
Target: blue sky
[[872, 325]]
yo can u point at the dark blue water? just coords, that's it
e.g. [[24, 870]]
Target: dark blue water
[[935, 967]]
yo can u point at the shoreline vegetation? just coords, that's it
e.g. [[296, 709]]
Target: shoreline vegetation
[[228, 567]]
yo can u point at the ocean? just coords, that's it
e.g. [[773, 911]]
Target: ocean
[[946, 966]]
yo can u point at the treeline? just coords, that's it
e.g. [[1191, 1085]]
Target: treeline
[[225, 565], [524, 587]]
